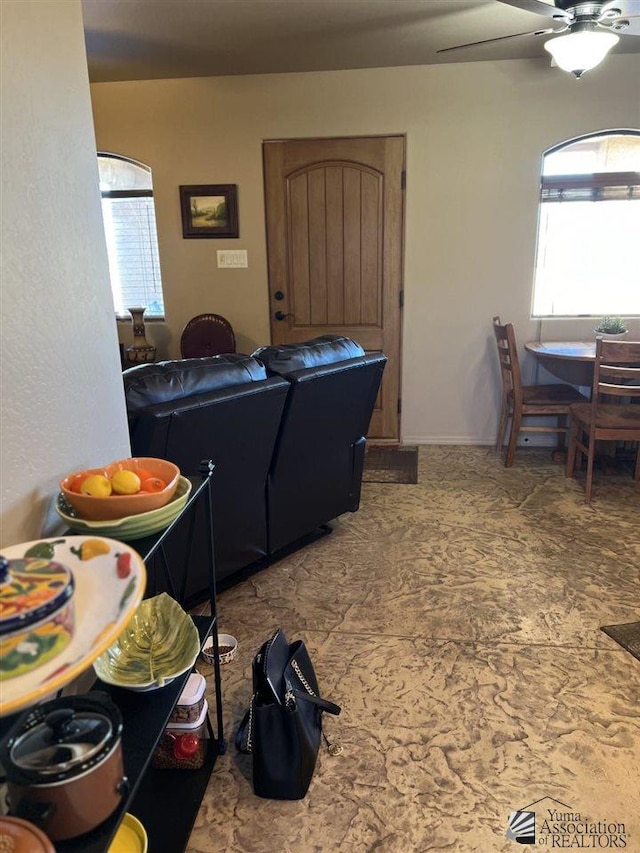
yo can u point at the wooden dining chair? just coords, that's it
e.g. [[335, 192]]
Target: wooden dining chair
[[205, 335], [519, 401], [609, 416]]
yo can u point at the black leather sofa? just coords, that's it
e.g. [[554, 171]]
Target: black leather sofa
[[285, 429]]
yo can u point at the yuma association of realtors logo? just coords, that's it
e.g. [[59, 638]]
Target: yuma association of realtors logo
[[554, 828], [522, 826]]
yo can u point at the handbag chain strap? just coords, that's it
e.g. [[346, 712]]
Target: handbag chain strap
[[333, 748], [298, 672], [250, 726]]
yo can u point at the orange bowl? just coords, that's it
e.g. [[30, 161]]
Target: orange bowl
[[120, 506]]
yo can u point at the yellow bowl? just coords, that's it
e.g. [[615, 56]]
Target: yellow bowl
[[120, 506], [131, 836]]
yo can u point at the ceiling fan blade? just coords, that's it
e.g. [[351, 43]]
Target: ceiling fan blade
[[611, 22], [501, 38], [619, 6], [625, 25], [538, 7]]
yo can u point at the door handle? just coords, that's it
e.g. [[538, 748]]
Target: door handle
[[280, 315]]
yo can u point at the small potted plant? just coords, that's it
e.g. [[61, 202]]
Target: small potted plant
[[611, 328]]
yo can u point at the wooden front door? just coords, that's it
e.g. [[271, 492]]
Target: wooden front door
[[334, 210]]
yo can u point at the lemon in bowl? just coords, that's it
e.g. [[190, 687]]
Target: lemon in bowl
[[96, 485], [125, 482]]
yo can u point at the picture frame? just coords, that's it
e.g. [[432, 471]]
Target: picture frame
[[209, 210]]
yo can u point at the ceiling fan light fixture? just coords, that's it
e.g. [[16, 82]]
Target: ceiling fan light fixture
[[581, 51]]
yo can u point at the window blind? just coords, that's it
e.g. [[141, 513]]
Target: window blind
[[132, 244], [606, 186]]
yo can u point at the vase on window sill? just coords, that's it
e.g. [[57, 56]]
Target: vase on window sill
[[141, 351]]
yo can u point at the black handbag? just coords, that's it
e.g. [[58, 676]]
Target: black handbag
[[283, 726]]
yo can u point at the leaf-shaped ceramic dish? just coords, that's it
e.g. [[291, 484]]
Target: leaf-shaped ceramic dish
[[159, 643], [133, 526]]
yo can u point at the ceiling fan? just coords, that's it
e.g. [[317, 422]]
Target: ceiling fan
[[592, 28]]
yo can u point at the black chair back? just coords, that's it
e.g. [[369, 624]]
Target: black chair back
[[316, 472], [225, 409]]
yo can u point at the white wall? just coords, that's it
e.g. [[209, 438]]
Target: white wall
[[62, 400], [475, 136]]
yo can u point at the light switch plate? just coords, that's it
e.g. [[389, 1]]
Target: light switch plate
[[232, 258]]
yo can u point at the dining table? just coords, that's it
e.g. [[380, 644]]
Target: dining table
[[571, 361]]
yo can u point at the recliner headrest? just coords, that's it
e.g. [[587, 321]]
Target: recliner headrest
[[327, 349], [165, 381]]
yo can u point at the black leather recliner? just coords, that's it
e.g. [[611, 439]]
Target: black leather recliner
[[316, 471], [222, 408]]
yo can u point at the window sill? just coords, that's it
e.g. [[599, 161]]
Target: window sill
[[146, 320]]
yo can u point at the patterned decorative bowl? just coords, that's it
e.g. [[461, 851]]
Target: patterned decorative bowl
[[227, 645], [160, 643], [109, 579], [134, 526], [36, 613], [113, 507]]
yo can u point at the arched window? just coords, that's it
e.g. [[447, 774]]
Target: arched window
[[129, 220], [588, 254]]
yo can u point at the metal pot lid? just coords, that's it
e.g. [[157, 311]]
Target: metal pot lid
[[32, 589], [64, 740], [23, 750]]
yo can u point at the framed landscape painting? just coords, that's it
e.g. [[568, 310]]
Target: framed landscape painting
[[209, 210]]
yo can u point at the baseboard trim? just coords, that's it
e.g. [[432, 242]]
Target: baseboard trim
[[549, 440]]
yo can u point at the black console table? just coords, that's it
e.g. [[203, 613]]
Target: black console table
[[165, 801]]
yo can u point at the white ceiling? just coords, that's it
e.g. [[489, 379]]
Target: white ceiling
[[151, 39]]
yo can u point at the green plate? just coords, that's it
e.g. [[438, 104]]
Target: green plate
[[133, 526], [160, 643]]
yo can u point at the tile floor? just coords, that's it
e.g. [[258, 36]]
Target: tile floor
[[457, 623]]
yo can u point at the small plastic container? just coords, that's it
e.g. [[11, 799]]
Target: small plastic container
[[191, 701], [183, 746]]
